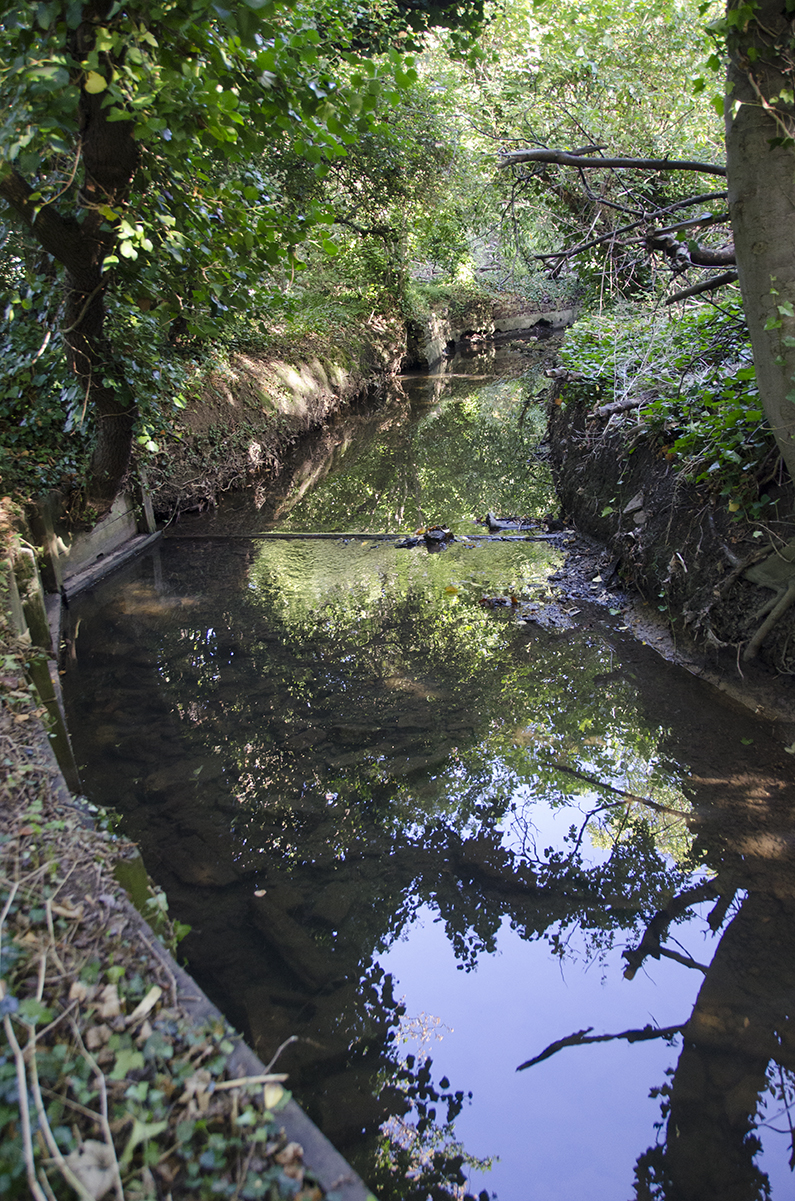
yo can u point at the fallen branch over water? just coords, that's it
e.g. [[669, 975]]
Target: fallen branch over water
[[706, 285]]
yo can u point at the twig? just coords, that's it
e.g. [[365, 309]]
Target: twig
[[767, 625], [584, 1036], [42, 974], [9, 902], [75, 1105], [24, 1111], [71, 328], [51, 927], [685, 959], [717, 916], [45, 1184], [244, 1171], [265, 1078], [103, 1101], [49, 1137], [292, 1039], [71, 178], [42, 348], [159, 953], [55, 1021]]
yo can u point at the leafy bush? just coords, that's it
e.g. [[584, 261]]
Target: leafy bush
[[693, 377], [46, 429], [43, 439]]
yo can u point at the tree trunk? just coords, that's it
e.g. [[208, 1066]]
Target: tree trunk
[[761, 182], [741, 1022], [110, 158]]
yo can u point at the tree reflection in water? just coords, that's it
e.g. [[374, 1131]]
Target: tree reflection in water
[[313, 742]]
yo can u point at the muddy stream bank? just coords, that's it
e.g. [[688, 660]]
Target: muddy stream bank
[[427, 814]]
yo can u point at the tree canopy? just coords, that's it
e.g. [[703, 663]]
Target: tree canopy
[[145, 152], [168, 165]]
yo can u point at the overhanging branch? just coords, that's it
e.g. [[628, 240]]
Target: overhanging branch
[[61, 238], [706, 285], [563, 158], [624, 229]]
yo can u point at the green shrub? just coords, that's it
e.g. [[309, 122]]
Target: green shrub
[[693, 377]]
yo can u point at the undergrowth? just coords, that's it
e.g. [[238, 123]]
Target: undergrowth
[[690, 381]]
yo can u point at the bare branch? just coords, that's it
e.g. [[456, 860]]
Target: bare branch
[[619, 406], [581, 1037], [657, 928], [682, 255], [685, 959], [628, 798], [706, 285], [624, 229], [511, 158], [706, 219]]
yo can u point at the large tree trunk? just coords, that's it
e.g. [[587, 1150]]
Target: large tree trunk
[[110, 157], [741, 1023], [761, 180]]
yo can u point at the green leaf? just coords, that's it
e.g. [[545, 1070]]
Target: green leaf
[[33, 1012], [127, 1060], [141, 1132], [45, 15], [94, 83], [51, 75]]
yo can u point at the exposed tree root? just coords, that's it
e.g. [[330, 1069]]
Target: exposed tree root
[[780, 603]]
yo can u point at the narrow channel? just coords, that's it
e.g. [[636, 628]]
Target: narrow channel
[[415, 822]]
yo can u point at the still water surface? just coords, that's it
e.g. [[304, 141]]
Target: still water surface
[[418, 832]]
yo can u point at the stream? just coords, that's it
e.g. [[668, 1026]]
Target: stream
[[415, 824]]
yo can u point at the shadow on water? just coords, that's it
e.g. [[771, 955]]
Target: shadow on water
[[319, 745]]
